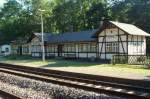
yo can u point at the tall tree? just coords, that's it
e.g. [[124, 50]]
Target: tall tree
[[21, 17], [97, 13], [8, 16]]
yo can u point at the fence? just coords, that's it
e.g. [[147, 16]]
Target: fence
[[131, 59]]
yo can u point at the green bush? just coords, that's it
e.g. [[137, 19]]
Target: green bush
[[18, 57]]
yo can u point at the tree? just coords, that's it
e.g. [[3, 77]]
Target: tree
[[8, 15], [96, 14], [22, 18]]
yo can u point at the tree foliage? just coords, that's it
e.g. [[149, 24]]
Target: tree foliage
[[21, 17]]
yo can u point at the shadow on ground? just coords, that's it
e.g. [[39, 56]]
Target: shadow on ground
[[66, 63], [70, 63], [79, 63], [148, 78]]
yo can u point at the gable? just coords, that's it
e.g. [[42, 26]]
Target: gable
[[111, 31], [130, 29], [35, 41], [123, 27]]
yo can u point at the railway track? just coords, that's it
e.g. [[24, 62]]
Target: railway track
[[133, 89], [6, 95]]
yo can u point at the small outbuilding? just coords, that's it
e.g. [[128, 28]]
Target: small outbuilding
[[5, 49]]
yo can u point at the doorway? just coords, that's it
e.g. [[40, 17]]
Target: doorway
[[60, 50], [20, 50]]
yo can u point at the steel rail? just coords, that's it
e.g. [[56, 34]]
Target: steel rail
[[8, 95], [96, 82], [141, 83], [62, 78]]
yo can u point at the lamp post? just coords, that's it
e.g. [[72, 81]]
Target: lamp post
[[42, 45]]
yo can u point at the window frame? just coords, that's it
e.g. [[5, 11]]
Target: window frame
[[112, 47]]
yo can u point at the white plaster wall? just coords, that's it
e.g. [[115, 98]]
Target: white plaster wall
[[102, 56], [51, 54], [109, 56], [101, 47], [123, 37], [56, 54], [36, 54], [121, 32], [144, 46], [29, 49], [14, 49], [137, 48], [35, 42], [77, 47], [124, 48], [108, 32], [112, 36], [83, 55], [90, 55]]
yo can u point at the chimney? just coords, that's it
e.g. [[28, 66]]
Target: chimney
[[101, 23]]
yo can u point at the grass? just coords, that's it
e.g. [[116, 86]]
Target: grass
[[76, 66]]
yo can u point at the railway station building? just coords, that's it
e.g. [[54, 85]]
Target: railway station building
[[112, 38]]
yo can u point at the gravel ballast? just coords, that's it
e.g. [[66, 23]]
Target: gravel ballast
[[33, 89]]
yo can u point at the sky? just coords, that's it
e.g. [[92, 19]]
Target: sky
[[2, 2]]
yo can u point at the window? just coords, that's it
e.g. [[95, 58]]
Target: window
[[89, 47], [36, 48], [25, 49], [112, 47], [7, 50], [69, 48], [112, 37], [93, 47], [51, 48], [108, 47], [83, 47], [136, 43]]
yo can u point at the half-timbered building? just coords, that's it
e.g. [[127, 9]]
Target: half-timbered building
[[116, 38], [21, 46], [67, 45], [112, 38]]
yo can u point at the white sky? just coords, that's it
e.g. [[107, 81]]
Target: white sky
[[2, 2]]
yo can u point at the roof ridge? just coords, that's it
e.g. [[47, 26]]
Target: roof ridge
[[122, 23], [76, 32], [130, 28]]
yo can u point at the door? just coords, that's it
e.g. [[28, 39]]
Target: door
[[20, 50], [60, 50]]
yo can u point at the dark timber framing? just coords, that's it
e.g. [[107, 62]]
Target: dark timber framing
[[119, 39], [77, 51], [120, 43], [105, 40]]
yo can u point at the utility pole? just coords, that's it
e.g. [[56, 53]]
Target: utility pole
[[42, 35]]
